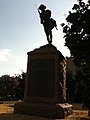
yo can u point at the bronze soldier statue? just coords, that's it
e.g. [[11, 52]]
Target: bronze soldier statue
[[47, 22]]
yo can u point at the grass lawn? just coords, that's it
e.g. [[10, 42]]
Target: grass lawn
[[6, 113]]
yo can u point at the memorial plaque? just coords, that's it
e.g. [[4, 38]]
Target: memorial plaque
[[42, 78]]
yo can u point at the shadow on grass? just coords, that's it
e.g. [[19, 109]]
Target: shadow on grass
[[77, 115], [12, 116], [5, 116]]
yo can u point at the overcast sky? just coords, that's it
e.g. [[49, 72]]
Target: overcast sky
[[21, 31]]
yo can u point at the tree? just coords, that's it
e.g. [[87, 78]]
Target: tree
[[12, 88], [20, 85], [7, 85], [77, 39], [77, 32]]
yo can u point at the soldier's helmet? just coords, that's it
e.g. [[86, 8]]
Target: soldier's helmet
[[42, 7]]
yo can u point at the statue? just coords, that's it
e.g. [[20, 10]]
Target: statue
[[47, 22]]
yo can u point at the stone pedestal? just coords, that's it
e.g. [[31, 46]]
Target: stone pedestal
[[45, 85]]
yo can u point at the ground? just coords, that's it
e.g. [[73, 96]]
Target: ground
[[6, 113]]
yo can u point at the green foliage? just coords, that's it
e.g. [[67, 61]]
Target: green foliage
[[77, 32], [12, 88]]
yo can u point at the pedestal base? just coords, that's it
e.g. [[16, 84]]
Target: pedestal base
[[43, 109]]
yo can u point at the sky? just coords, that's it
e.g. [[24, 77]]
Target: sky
[[21, 31]]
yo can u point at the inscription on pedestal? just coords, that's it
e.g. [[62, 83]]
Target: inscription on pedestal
[[42, 78]]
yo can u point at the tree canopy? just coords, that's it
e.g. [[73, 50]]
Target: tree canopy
[[12, 88], [77, 32]]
